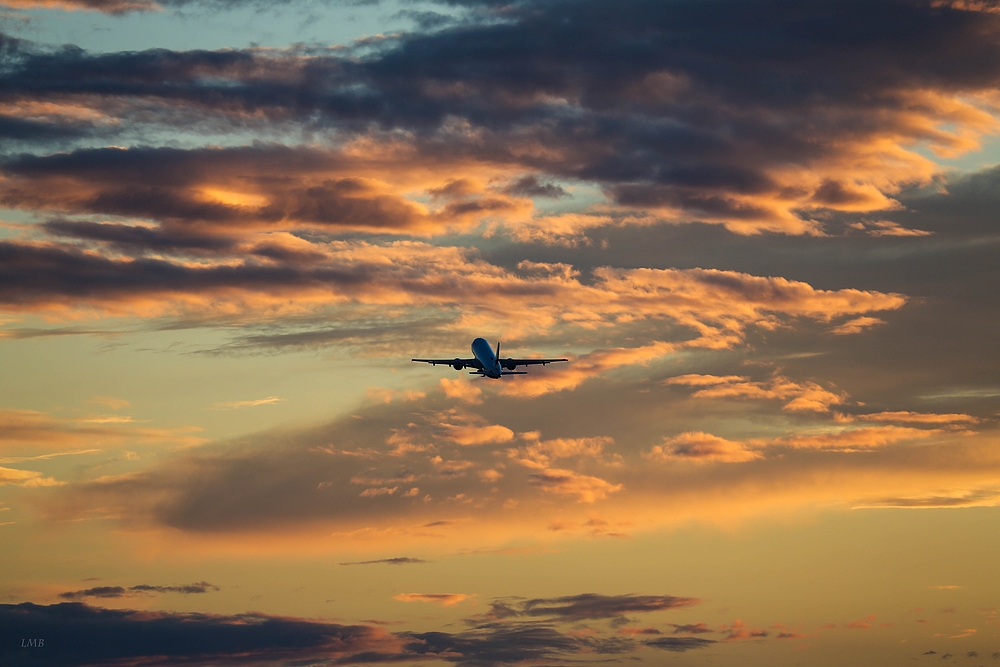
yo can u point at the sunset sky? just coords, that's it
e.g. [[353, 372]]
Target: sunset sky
[[764, 232]]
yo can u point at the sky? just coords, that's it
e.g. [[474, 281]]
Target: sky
[[763, 232]]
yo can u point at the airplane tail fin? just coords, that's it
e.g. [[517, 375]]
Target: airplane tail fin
[[498, 349]]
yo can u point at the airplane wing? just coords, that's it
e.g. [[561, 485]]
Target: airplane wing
[[457, 363], [511, 364]]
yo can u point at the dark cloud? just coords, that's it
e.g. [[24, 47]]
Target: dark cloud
[[138, 239], [75, 633], [679, 644], [497, 644], [168, 185], [751, 114], [20, 129], [692, 628], [971, 498], [401, 560], [131, 591], [48, 273], [530, 186], [590, 606]]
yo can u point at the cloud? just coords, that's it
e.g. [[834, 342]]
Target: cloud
[[205, 199], [918, 417], [786, 632], [78, 633], [857, 325], [638, 631], [462, 391], [443, 599], [854, 439], [691, 628], [466, 435], [702, 448], [711, 309], [493, 644], [739, 631], [105, 6], [400, 560], [585, 367], [529, 186], [236, 405], [589, 606], [141, 589], [585, 488], [32, 430], [377, 479], [26, 478], [975, 498], [864, 624], [649, 119], [680, 644], [46, 457], [539, 454], [801, 396], [110, 402], [75, 631], [375, 492]]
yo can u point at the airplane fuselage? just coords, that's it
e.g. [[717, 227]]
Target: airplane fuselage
[[482, 351]]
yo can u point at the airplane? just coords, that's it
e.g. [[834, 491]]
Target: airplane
[[487, 363]]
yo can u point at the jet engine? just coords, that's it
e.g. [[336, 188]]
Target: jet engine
[[509, 364], [457, 364]]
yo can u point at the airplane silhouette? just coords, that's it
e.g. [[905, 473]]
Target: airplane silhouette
[[487, 363]]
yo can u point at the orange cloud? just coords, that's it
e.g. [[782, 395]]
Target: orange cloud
[[801, 397], [849, 440], [268, 187], [539, 454], [443, 599], [584, 367], [22, 429], [857, 325], [739, 631], [919, 417], [716, 307], [236, 405], [477, 435], [462, 391], [584, 488], [864, 624], [27, 478]]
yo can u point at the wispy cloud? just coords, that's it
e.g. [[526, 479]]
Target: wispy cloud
[[26, 478], [140, 589], [443, 599], [236, 405], [399, 560], [589, 606]]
